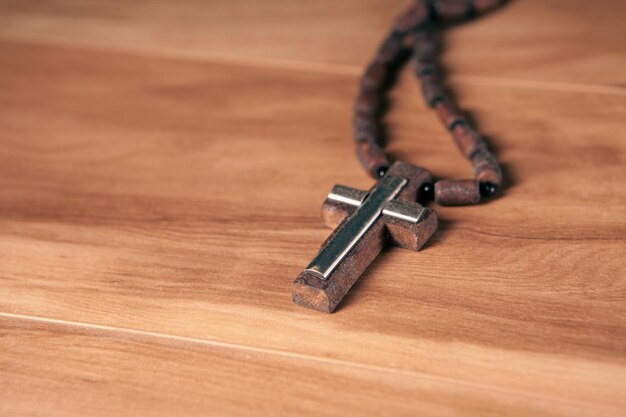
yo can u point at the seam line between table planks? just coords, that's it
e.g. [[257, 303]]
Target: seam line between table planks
[[304, 66], [298, 356]]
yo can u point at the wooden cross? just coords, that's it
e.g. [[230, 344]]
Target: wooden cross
[[364, 223]]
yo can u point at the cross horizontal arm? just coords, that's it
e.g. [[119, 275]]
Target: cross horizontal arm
[[404, 210], [347, 195]]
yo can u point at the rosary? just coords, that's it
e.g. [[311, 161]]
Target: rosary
[[390, 213]]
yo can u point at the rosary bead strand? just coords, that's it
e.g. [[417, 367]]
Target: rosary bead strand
[[416, 30], [370, 99]]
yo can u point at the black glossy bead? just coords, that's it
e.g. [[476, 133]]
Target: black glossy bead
[[382, 170], [487, 189], [427, 192]]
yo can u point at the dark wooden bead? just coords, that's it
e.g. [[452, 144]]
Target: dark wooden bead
[[457, 192], [413, 17], [424, 68], [450, 10], [425, 46], [372, 158], [486, 167], [432, 90], [449, 114], [365, 128], [490, 174], [374, 76], [368, 101], [466, 139], [390, 50]]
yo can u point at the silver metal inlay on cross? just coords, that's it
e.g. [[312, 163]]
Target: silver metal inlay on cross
[[380, 201]]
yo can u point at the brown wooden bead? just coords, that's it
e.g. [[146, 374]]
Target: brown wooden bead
[[447, 10], [365, 128], [490, 175], [423, 68], [368, 101], [425, 46], [411, 18], [371, 157], [466, 139], [375, 75], [449, 114], [432, 90], [486, 167], [390, 49], [457, 192]]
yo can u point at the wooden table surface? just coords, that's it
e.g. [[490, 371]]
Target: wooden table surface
[[162, 166]]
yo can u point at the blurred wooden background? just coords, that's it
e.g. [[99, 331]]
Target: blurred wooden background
[[162, 165]]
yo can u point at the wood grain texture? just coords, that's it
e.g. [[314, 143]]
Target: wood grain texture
[[163, 197], [556, 44], [112, 372]]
